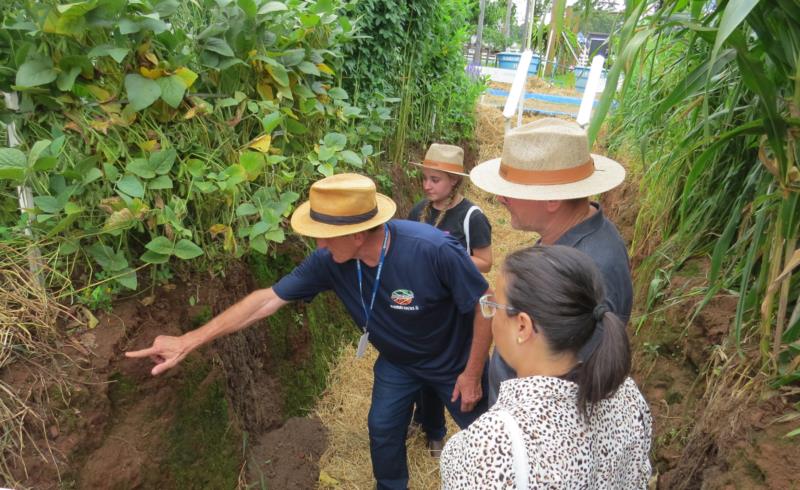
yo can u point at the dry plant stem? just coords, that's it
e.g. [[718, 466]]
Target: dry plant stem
[[28, 317], [783, 304]]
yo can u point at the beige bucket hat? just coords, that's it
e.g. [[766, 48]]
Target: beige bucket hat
[[340, 205], [447, 158], [547, 159]]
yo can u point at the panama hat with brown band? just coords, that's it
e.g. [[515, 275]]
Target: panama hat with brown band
[[447, 158], [547, 159], [340, 205]]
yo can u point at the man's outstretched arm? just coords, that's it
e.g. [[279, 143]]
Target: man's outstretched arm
[[168, 351]]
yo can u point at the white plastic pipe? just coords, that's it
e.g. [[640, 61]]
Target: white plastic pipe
[[517, 92], [24, 192], [592, 85]]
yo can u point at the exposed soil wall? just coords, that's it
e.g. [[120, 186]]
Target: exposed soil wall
[[217, 421]]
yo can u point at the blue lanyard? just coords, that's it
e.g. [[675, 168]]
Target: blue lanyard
[[367, 313]]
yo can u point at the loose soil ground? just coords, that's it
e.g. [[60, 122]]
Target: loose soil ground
[[120, 427]]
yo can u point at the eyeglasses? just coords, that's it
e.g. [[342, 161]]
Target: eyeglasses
[[489, 308]]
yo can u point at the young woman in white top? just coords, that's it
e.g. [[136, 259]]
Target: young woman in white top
[[572, 418]]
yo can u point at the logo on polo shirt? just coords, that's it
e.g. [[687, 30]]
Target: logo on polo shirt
[[402, 299]]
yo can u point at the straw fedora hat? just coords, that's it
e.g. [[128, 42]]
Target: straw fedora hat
[[447, 158], [547, 159], [340, 205]]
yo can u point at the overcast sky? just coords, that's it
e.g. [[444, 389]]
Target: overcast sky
[[521, 7]]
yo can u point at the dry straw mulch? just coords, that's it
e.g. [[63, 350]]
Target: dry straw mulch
[[343, 410]]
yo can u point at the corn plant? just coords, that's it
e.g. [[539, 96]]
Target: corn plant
[[710, 101]]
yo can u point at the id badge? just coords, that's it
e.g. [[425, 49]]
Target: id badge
[[362, 345]]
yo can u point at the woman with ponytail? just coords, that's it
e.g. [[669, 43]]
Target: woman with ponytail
[[447, 209], [572, 418]]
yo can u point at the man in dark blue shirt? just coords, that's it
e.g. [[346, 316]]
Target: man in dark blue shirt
[[412, 290], [544, 178]]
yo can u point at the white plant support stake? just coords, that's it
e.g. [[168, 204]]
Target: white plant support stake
[[24, 192], [516, 95], [587, 103]]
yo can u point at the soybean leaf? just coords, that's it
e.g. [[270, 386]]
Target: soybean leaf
[[128, 26], [110, 171], [293, 57], [271, 121], [173, 89], [303, 91], [186, 249], [109, 260], [309, 20], [72, 208], [352, 158], [66, 80], [160, 182], [275, 235], [37, 72], [295, 127], [325, 153], [219, 46], [270, 7], [48, 204], [37, 151], [229, 63], [141, 167], [142, 92], [91, 175], [131, 186], [165, 8], [160, 245], [308, 68], [259, 244], [246, 209], [259, 229], [156, 25], [253, 164], [337, 93], [249, 7], [196, 167], [12, 164], [128, 279], [154, 257], [117, 54], [335, 140], [279, 73], [161, 161]]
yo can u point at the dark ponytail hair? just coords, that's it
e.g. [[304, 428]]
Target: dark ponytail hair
[[561, 289]]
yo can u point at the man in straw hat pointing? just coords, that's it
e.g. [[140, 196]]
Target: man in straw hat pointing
[[412, 291], [544, 179]]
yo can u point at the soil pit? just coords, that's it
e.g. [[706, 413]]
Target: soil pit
[[195, 426]]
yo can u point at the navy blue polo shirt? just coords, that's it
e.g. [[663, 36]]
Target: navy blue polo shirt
[[425, 305], [598, 238]]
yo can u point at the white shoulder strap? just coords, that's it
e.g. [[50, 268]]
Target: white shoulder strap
[[466, 226], [518, 451]]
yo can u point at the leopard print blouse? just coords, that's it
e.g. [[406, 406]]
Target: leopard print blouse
[[564, 451]]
